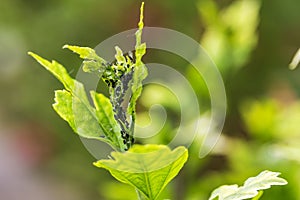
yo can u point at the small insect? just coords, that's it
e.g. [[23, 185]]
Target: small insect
[[129, 55], [115, 71]]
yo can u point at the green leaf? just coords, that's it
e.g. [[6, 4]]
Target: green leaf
[[148, 168], [63, 106], [105, 115], [73, 106], [250, 188], [93, 63], [119, 56], [140, 48], [57, 70], [84, 52], [69, 108]]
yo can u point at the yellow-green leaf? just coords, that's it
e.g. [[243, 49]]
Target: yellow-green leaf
[[73, 106], [104, 112], [92, 63], [148, 168]]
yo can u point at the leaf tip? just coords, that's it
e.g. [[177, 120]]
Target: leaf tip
[[30, 53], [66, 46], [96, 163], [39, 59], [117, 48], [70, 47]]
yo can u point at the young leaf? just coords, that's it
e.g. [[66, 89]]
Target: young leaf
[[119, 56], [57, 70], [92, 63], [63, 106], [73, 106], [140, 71], [88, 127], [250, 188], [140, 48], [148, 168], [104, 112]]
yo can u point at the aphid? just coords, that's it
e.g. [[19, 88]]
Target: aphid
[[130, 58], [113, 83], [132, 140]]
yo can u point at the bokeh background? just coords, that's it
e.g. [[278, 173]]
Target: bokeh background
[[252, 43]]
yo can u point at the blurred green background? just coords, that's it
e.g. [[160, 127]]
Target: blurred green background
[[252, 43]]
